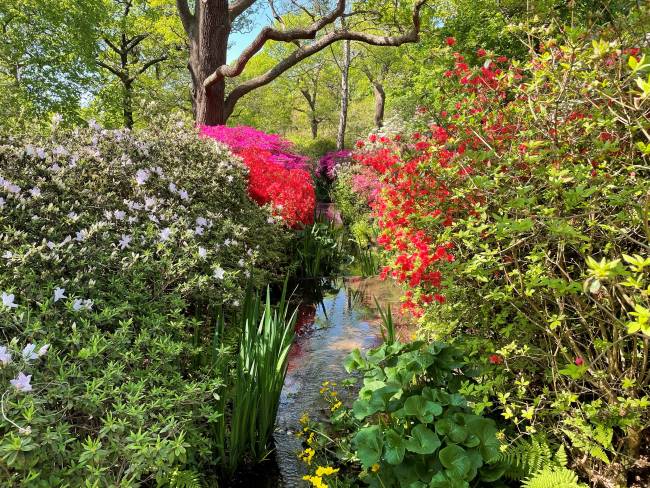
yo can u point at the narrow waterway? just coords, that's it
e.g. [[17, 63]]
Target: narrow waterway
[[327, 332]]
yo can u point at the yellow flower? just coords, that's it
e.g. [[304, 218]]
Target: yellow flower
[[326, 470], [307, 455], [334, 393], [336, 406], [374, 468], [304, 419], [316, 481], [311, 438]]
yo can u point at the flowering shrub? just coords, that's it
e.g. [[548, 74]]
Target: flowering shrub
[[277, 176], [117, 248], [330, 162], [515, 207]]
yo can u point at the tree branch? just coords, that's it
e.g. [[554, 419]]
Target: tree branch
[[150, 63], [186, 16], [239, 7], [110, 68], [134, 41], [112, 46], [306, 51], [270, 34]]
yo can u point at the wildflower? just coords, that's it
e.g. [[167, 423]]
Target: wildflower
[[2, 202], [375, 467], [172, 187], [21, 382], [120, 214], [8, 300], [316, 481], [59, 293], [450, 41], [78, 304], [579, 361], [304, 419], [124, 241], [219, 273], [481, 53], [164, 234], [201, 222], [198, 231], [5, 356], [307, 455], [326, 470], [35, 192], [336, 406], [28, 352], [42, 351], [203, 252], [184, 195], [495, 359]]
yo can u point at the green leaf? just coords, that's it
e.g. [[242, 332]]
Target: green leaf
[[369, 444], [394, 447], [455, 459], [423, 440], [423, 409]]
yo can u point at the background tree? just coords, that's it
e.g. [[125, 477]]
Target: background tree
[[209, 26]]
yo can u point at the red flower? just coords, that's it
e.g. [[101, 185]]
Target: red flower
[[495, 359], [360, 144], [450, 41], [372, 138], [579, 361], [481, 52]]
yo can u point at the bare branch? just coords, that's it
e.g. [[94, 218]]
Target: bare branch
[[186, 16], [304, 52], [151, 62], [239, 7], [270, 34], [110, 68]]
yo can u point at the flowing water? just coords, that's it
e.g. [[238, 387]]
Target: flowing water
[[326, 333]]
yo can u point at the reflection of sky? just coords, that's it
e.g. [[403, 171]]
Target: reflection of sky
[[239, 40]]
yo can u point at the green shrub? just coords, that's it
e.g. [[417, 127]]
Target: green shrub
[[117, 248]]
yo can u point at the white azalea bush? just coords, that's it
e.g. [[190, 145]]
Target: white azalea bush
[[116, 251]]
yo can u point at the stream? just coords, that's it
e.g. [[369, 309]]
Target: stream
[[326, 332]]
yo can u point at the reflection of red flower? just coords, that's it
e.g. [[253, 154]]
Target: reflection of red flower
[[495, 359]]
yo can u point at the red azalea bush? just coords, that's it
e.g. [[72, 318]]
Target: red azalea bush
[[277, 177], [520, 212]]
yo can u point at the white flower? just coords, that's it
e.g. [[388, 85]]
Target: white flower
[[8, 300], [43, 350], [73, 215], [5, 356], [50, 244], [203, 252], [2, 202], [82, 235], [219, 273], [55, 168], [78, 304], [149, 202], [120, 214], [165, 233], [141, 176], [198, 231], [59, 293], [36, 192], [108, 214], [40, 152], [153, 218], [124, 241], [201, 222], [240, 263], [21, 382], [8, 255], [88, 304], [184, 195], [28, 352], [172, 187]]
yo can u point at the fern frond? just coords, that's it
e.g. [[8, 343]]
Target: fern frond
[[524, 457], [553, 478], [184, 479]]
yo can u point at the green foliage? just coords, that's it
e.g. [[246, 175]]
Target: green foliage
[[320, 249], [127, 389], [409, 425], [251, 399]]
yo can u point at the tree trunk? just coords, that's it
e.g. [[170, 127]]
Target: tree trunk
[[208, 50], [127, 104], [345, 95], [380, 104]]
